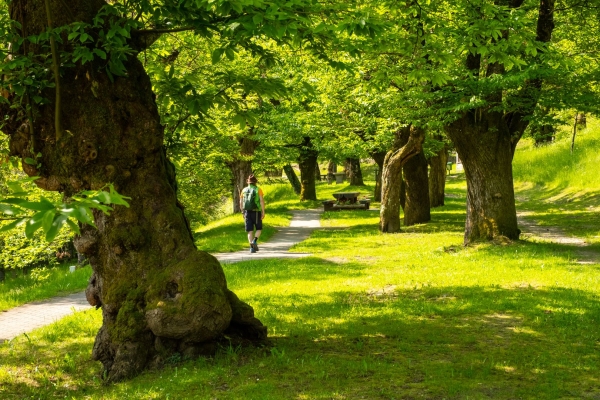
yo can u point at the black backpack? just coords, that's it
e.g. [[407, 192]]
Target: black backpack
[[249, 195]]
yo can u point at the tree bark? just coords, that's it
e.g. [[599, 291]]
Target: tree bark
[[2, 274], [437, 178], [317, 172], [159, 295], [484, 148], [293, 178], [307, 160], [354, 172], [379, 157], [241, 168], [416, 209], [408, 143], [331, 167]]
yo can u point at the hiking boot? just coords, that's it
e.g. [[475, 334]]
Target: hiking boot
[[254, 245]]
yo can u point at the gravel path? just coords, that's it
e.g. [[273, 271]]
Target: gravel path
[[35, 315]]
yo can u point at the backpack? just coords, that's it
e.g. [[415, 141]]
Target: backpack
[[249, 197]]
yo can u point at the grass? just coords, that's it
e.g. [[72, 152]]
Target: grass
[[557, 188], [397, 316], [21, 289]]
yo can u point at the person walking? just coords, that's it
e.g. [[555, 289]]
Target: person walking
[[252, 203]]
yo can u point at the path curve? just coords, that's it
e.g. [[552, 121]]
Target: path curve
[[554, 234], [34, 315]]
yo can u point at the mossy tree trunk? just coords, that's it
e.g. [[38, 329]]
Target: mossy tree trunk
[[416, 208], [293, 178], [379, 157], [354, 172], [159, 295], [437, 178], [241, 167], [307, 160], [408, 143]]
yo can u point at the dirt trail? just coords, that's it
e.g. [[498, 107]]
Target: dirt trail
[[553, 234]]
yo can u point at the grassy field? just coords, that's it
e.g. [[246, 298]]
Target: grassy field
[[40, 285], [400, 316]]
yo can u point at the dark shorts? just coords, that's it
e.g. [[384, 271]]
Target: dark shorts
[[253, 219]]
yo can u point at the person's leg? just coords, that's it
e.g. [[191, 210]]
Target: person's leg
[[249, 224], [258, 230], [251, 236]]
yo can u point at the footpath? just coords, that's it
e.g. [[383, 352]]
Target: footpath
[[37, 314], [554, 234]]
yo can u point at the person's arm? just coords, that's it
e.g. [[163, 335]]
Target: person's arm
[[241, 202], [262, 207]]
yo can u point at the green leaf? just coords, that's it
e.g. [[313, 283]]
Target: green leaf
[[12, 225], [55, 228], [34, 224], [42, 205], [8, 210], [47, 220], [216, 55], [30, 161], [74, 227]]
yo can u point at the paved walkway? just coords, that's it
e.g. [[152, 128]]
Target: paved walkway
[[35, 315], [554, 234], [303, 223]]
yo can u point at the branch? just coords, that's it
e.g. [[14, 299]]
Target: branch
[[55, 58]]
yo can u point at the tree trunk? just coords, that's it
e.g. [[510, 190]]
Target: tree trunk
[[416, 209], [331, 167], [354, 172], [241, 167], [293, 178], [307, 161], [379, 157], [317, 172], [437, 178], [2, 274], [408, 143], [486, 140], [483, 143], [543, 135], [159, 295]]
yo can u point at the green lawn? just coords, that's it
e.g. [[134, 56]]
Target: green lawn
[[42, 284], [398, 316]]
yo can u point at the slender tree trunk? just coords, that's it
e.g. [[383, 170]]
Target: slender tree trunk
[[159, 295], [416, 210], [354, 172], [293, 178], [317, 172], [331, 167], [307, 160], [437, 178], [241, 167], [2, 274], [408, 143], [379, 157]]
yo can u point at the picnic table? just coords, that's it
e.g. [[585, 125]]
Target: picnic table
[[346, 201]]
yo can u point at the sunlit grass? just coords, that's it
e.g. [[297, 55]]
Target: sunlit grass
[[21, 289], [407, 315]]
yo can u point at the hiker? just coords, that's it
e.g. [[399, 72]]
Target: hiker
[[252, 204]]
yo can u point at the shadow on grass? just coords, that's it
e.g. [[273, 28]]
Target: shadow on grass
[[443, 342]]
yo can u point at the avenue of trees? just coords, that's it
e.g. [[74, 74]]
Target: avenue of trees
[[131, 110]]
